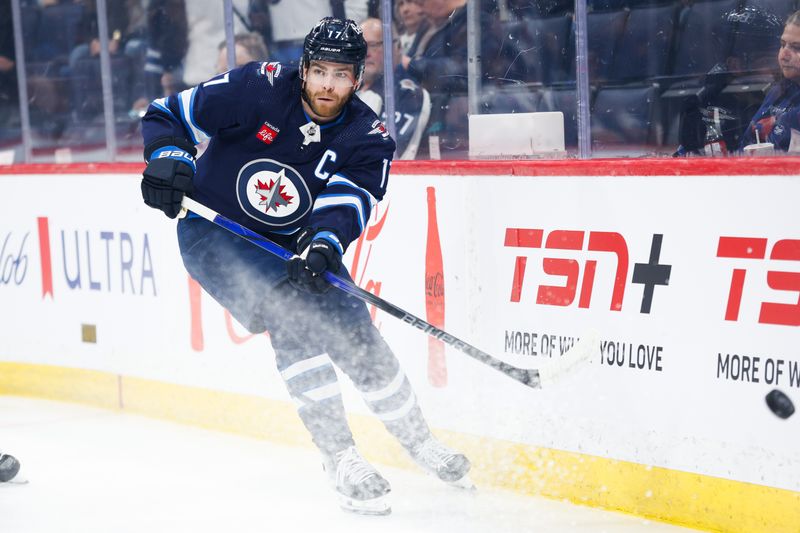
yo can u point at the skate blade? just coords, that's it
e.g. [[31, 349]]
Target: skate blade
[[374, 507]]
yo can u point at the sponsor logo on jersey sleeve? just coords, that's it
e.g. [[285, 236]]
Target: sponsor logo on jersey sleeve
[[272, 193]]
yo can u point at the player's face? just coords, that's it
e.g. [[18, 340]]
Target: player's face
[[328, 86], [789, 53]]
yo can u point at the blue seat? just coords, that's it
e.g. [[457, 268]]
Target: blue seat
[[527, 9], [595, 6], [605, 30], [645, 45], [30, 20], [522, 63], [87, 89], [703, 37], [564, 100], [520, 99], [625, 116], [57, 31], [547, 51]]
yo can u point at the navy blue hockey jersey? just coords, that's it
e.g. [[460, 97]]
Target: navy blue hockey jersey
[[258, 170]]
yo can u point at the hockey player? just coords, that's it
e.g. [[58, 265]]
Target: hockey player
[[412, 104], [294, 156]]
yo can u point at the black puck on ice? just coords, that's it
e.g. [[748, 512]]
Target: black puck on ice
[[780, 404], [9, 466]]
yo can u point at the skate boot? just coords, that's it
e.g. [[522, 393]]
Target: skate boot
[[360, 488], [446, 464], [9, 470]]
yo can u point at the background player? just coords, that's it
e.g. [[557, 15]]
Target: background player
[[412, 102]]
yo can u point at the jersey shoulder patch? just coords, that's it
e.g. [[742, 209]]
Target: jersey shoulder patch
[[366, 132], [366, 121], [269, 70], [378, 128]]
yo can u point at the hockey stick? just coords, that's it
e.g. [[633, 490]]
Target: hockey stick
[[531, 377]]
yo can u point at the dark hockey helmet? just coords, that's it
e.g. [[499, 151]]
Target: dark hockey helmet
[[336, 40]]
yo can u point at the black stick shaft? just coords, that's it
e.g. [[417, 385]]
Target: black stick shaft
[[529, 377]]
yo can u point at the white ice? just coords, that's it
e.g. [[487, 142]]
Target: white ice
[[94, 470]]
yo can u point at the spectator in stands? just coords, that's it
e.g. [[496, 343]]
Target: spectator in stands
[[715, 117], [410, 17], [259, 19], [89, 34], [249, 47], [412, 102], [125, 19], [167, 41], [57, 31], [778, 118], [437, 60], [206, 28]]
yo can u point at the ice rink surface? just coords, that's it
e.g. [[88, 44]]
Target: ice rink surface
[[93, 470]]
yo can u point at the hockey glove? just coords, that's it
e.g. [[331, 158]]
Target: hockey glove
[[166, 179], [324, 254]]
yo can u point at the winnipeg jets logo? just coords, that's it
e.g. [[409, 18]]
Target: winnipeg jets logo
[[272, 193], [271, 71]]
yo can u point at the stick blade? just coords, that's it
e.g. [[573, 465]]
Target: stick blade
[[571, 361]]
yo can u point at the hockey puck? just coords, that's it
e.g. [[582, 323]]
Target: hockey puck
[[780, 404], [9, 466]]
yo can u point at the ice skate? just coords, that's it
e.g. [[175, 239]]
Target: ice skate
[[9, 470], [360, 488], [446, 464]]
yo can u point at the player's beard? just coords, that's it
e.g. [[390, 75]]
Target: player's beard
[[327, 109]]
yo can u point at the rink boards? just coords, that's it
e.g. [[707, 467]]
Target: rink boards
[[692, 281]]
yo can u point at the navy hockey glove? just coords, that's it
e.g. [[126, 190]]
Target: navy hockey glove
[[324, 254], [167, 178]]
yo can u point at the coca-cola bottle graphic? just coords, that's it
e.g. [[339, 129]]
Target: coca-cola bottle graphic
[[196, 315], [434, 295]]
